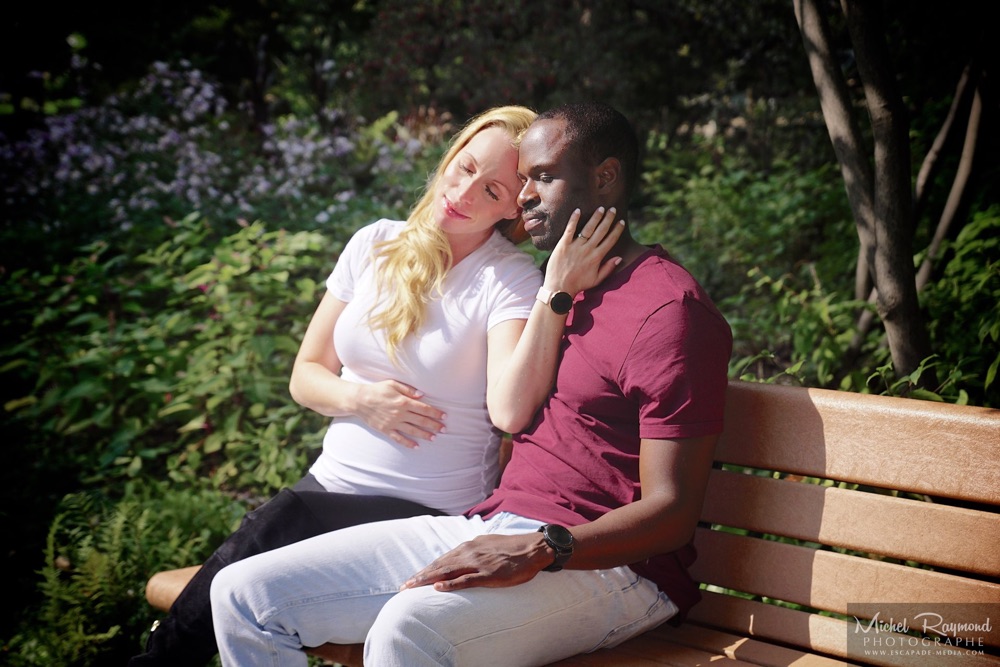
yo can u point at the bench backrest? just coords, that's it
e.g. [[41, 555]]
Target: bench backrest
[[822, 499]]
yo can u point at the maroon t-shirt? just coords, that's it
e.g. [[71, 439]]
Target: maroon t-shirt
[[644, 355]]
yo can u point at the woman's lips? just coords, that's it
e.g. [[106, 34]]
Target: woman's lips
[[451, 211]]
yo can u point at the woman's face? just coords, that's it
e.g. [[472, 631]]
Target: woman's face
[[479, 186]]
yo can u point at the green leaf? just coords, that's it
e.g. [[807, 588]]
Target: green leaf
[[213, 443], [196, 424], [991, 372], [175, 407], [134, 466], [926, 395], [18, 403]]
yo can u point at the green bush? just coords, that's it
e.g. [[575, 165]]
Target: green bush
[[963, 313], [768, 242], [114, 170], [233, 327], [173, 361], [795, 328], [98, 557], [776, 247], [144, 345], [722, 214]]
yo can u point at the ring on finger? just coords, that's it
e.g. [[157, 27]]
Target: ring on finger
[[581, 236]]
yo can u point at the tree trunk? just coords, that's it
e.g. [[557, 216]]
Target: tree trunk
[[957, 190], [967, 88], [835, 102], [881, 200], [932, 161], [895, 276]]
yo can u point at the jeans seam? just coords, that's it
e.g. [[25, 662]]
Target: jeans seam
[[277, 610], [613, 634]]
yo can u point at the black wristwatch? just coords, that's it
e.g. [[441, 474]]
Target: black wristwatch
[[561, 541], [559, 302]]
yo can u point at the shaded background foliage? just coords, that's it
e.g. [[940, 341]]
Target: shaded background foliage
[[177, 180]]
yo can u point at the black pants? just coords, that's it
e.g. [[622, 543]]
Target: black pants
[[187, 636]]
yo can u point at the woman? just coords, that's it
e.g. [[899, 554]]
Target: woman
[[415, 311], [432, 355]]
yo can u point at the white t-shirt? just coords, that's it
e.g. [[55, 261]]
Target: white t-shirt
[[445, 359]]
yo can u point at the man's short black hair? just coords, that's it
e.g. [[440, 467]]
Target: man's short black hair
[[601, 132]]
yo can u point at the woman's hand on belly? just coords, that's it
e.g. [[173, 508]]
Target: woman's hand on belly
[[395, 409]]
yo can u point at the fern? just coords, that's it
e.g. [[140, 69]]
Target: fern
[[98, 556]]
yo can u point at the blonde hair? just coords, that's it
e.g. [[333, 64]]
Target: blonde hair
[[413, 266]]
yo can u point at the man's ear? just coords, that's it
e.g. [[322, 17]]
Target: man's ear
[[609, 175]]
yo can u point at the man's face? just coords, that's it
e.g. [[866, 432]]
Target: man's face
[[555, 180]]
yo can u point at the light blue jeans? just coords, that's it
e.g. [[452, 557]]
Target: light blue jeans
[[343, 587]]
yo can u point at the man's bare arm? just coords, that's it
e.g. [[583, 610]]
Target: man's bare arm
[[674, 476]]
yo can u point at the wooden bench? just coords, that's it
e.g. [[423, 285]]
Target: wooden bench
[[822, 501]]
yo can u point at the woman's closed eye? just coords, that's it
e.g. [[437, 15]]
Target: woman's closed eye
[[469, 171]]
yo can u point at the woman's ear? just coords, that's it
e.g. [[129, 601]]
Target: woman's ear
[[514, 213], [513, 229]]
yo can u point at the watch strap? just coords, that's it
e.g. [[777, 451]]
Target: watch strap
[[545, 295], [558, 301]]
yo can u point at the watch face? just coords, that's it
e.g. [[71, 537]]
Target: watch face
[[561, 302], [559, 535]]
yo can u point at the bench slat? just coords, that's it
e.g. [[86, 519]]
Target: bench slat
[[347, 655], [740, 647], [823, 579], [896, 443], [869, 522], [822, 634], [649, 650], [164, 587]]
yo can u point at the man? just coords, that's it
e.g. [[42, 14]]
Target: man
[[585, 542]]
